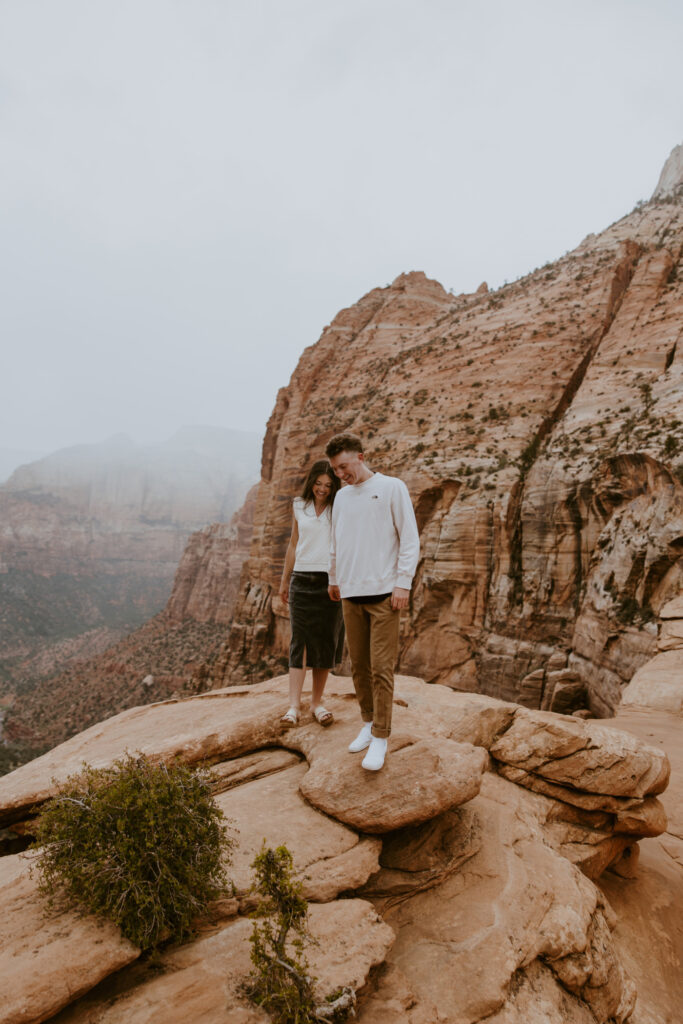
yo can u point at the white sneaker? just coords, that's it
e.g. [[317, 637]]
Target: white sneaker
[[362, 740], [374, 759]]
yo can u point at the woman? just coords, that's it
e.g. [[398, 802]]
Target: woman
[[317, 625]]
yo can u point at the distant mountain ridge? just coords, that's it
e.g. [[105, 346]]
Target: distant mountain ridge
[[12, 458], [198, 472]]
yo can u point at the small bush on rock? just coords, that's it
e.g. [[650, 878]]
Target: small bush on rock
[[280, 981], [142, 844]]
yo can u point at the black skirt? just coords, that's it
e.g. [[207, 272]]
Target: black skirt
[[317, 622]]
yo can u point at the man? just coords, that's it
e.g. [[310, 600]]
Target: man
[[374, 552]]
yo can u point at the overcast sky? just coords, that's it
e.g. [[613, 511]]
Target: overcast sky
[[191, 189]]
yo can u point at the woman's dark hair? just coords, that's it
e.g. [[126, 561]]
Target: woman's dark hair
[[320, 468]]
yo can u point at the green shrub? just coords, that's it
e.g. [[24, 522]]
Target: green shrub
[[280, 981], [142, 844]]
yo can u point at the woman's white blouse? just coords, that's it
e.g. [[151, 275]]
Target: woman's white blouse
[[313, 548]]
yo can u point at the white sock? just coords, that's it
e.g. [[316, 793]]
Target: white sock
[[377, 751], [363, 738]]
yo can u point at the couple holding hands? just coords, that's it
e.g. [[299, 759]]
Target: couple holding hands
[[356, 546]]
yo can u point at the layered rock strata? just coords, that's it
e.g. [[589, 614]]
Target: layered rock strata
[[468, 886], [540, 431]]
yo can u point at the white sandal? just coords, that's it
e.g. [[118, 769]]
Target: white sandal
[[290, 718], [323, 716]]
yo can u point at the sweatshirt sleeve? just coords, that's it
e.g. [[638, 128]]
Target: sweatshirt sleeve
[[332, 566], [409, 538]]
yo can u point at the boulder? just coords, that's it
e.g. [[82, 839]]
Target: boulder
[[612, 805], [420, 780], [582, 755], [568, 692], [423, 856]]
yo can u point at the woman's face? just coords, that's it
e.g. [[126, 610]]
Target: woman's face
[[322, 488]]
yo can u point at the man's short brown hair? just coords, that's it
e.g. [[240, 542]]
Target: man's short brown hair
[[343, 443]]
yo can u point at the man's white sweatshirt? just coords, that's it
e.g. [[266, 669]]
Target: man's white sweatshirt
[[375, 544]]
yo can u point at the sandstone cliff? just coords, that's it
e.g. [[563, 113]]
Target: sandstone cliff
[[540, 431]]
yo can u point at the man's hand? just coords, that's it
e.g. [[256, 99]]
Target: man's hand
[[399, 598], [334, 593]]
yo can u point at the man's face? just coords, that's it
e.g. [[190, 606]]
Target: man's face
[[349, 467]]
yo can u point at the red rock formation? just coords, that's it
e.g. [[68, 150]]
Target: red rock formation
[[539, 429]]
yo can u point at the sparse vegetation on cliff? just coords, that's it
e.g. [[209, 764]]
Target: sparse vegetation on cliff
[[280, 981], [142, 844]]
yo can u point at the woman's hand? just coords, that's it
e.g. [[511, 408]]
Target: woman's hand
[[284, 591]]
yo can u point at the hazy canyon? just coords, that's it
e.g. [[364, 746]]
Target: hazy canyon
[[540, 431], [90, 538]]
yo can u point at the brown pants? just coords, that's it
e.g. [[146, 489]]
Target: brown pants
[[372, 635]]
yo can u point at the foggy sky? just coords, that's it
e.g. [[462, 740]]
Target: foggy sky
[[191, 189]]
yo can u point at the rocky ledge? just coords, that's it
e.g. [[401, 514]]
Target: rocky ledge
[[456, 885]]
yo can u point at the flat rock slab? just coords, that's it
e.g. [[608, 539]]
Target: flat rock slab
[[48, 959], [209, 727], [582, 755], [430, 765], [272, 810], [201, 982], [419, 781]]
